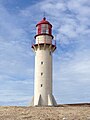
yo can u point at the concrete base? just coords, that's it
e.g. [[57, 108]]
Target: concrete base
[[51, 101]]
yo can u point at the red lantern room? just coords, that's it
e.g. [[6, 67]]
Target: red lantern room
[[44, 28], [44, 35]]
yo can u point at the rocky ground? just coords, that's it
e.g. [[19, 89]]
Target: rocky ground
[[62, 112]]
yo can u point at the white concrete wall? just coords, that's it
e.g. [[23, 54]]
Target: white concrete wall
[[43, 39], [45, 79]]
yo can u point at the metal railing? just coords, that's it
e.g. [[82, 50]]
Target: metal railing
[[33, 42]]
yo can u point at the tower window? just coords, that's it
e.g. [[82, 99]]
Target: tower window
[[41, 62], [41, 73], [41, 85]]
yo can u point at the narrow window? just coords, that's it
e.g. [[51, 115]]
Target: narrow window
[[41, 62], [41, 74], [41, 85]]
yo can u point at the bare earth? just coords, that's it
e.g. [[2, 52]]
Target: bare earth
[[62, 112]]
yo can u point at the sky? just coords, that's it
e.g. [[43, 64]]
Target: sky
[[71, 60]]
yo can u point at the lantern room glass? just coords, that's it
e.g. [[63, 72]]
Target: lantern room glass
[[44, 28]]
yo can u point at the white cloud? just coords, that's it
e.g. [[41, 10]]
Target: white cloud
[[72, 78], [16, 70]]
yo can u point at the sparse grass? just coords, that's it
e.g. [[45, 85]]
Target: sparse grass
[[66, 112]]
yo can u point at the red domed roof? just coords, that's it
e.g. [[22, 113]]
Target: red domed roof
[[43, 21]]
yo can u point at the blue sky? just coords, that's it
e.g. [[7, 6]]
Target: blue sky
[[71, 60]]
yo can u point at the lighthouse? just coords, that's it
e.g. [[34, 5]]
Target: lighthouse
[[43, 47]]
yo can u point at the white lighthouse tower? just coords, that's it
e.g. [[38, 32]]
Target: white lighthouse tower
[[43, 47]]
